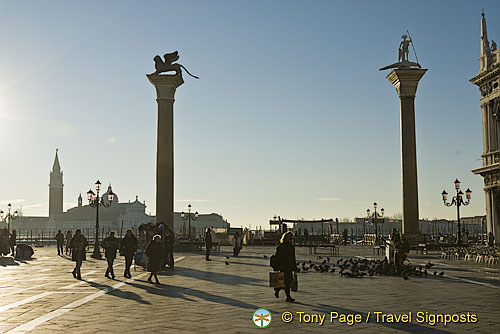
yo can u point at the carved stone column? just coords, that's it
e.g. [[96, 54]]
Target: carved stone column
[[165, 90], [406, 81]]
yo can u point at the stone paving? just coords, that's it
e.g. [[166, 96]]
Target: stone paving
[[41, 296]]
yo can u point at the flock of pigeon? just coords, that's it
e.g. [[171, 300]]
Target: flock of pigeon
[[358, 268]]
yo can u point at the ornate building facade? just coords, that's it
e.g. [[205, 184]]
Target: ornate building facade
[[488, 81]]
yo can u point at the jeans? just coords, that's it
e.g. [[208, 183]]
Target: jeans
[[128, 263], [110, 267]]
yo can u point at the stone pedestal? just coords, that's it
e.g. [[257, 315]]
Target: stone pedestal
[[165, 90], [406, 81]]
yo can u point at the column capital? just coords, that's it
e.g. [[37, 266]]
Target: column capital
[[406, 80], [165, 85]]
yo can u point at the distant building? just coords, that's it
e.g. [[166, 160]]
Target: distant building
[[488, 80], [117, 217]]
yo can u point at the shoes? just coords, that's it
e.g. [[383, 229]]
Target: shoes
[[149, 280], [112, 276], [157, 282], [78, 277], [290, 299], [277, 293], [74, 274], [107, 276], [208, 259]]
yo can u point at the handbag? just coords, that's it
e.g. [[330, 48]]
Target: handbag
[[276, 279], [295, 283]]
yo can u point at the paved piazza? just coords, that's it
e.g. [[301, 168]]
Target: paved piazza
[[41, 296]]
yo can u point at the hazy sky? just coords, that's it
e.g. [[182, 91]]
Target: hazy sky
[[290, 116]]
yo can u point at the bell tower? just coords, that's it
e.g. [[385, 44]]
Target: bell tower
[[56, 189]]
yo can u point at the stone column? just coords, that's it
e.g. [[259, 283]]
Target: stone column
[[165, 90], [406, 81]]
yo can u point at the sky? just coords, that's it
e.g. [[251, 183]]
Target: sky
[[290, 116]]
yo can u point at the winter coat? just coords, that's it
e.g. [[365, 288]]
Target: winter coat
[[60, 238], [128, 246], [208, 240], [285, 253], [110, 244], [154, 251], [78, 244]]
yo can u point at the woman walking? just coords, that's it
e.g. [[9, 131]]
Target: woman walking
[[285, 254], [154, 251]]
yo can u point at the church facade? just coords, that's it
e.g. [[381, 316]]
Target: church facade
[[488, 81]]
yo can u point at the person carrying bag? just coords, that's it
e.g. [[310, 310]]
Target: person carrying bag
[[285, 262]]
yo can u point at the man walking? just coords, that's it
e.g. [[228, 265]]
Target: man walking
[[208, 244], [79, 245], [60, 242], [110, 244], [128, 247]]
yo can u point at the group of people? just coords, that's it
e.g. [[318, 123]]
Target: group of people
[[127, 247], [159, 251], [63, 241], [7, 242]]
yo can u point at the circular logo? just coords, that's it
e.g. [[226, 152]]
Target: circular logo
[[262, 318]]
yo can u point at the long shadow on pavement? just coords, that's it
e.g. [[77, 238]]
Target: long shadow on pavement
[[173, 291], [118, 293], [214, 277]]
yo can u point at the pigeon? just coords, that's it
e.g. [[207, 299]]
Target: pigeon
[[328, 259], [435, 273], [429, 265], [405, 277], [227, 257], [319, 257], [441, 273], [227, 263], [425, 273], [265, 256]]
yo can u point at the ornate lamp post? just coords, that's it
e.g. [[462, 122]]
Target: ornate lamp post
[[458, 201], [374, 217], [9, 216], [188, 218], [96, 201]]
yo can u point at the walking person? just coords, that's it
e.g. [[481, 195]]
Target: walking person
[[60, 242], [12, 241], [110, 244], [208, 244], [154, 251], [285, 254], [79, 245], [236, 244], [168, 244], [68, 241], [128, 246]]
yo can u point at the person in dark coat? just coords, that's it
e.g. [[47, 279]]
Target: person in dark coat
[[128, 246], [79, 245], [168, 244], [285, 254], [12, 241], [60, 242], [110, 244], [208, 244], [154, 251]]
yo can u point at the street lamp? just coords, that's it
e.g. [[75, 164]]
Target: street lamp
[[374, 217], [9, 216], [96, 201], [458, 201], [188, 217]]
